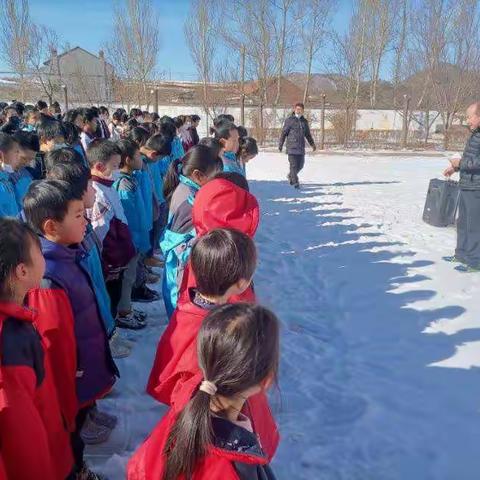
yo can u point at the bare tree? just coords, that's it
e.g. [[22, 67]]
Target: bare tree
[[15, 42], [314, 16], [135, 42], [201, 31], [380, 21], [44, 41], [446, 37], [284, 8]]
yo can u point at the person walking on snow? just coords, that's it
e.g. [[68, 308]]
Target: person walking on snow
[[295, 131], [468, 227]]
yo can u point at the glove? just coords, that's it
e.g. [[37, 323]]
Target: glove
[[280, 149]]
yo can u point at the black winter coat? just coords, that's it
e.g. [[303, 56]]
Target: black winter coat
[[470, 163], [296, 130]]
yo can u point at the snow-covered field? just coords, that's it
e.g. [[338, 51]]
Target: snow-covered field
[[380, 338]]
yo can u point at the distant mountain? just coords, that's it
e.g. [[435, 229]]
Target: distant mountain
[[319, 82]]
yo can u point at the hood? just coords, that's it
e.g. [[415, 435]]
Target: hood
[[221, 204]]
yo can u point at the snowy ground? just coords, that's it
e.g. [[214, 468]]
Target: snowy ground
[[381, 337]]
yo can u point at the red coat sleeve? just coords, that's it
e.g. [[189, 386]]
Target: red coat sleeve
[[24, 441], [55, 324]]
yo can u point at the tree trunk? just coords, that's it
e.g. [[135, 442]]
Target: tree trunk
[[309, 74], [427, 126]]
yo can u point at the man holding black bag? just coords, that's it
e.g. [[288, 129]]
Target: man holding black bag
[[468, 223]]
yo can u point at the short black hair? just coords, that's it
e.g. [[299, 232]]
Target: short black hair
[[16, 239], [47, 199], [139, 135], [88, 114], [236, 178], [195, 118], [71, 133], [242, 131], [27, 140], [299, 104], [76, 175], [41, 105], [127, 149], [62, 155], [101, 151], [160, 144], [49, 128], [7, 142], [102, 109]]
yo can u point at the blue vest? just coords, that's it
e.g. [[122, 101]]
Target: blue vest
[[8, 200]]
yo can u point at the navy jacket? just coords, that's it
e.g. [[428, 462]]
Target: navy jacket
[[96, 369], [295, 131]]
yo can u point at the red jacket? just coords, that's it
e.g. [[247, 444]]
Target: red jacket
[[176, 363], [148, 462], [55, 323], [222, 204], [33, 439]]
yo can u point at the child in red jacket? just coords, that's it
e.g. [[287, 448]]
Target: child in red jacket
[[223, 262], [224, 202], [34, 442], [205, 435]]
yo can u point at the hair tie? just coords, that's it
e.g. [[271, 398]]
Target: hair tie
[[208, 387]]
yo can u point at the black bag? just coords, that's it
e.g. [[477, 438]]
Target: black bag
[[441, 203]]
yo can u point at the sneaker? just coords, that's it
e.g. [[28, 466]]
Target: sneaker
[[152, 278], [139, 314], [452, 259], [129, 321], [86, 474], [467, 269], [93, 434], [144, 295], [296, 185], [153, 262], [103, 418], [119, 347]]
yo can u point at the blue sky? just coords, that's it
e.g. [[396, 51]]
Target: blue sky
[[87, 23]]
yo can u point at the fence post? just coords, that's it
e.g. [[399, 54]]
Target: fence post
[[65, 96], [405, 120], [322, 124]]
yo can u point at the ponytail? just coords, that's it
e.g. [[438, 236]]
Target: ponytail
[[189, 438], [200, 157], [172, 179]]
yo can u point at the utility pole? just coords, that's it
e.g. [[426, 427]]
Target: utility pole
[[322, 124], [406, 107], [242, 97]]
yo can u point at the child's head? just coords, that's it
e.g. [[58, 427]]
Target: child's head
[[236, 178], [223, 118], [71, 133], [78, 176], [227, 134], [131, 159], [104, 113], [139, 135], [56, 211], [9, 152], [62, 155], [213, 143], [223, 261], [28, 147], [31, 116], [168, 129], [42, 107], [50, 133], [103, 158], [238, 354], [21, 261], [199, 165], [89, 117], [242, 131], [158, 146], [195, 120], [248, 149], [75, 116]]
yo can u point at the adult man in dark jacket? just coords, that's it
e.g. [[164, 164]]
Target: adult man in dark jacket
[[468, 224], [295, 131]]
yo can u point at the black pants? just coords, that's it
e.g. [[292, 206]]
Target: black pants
[[78, 445], [468, 228], [296, 164], [114, 289]]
